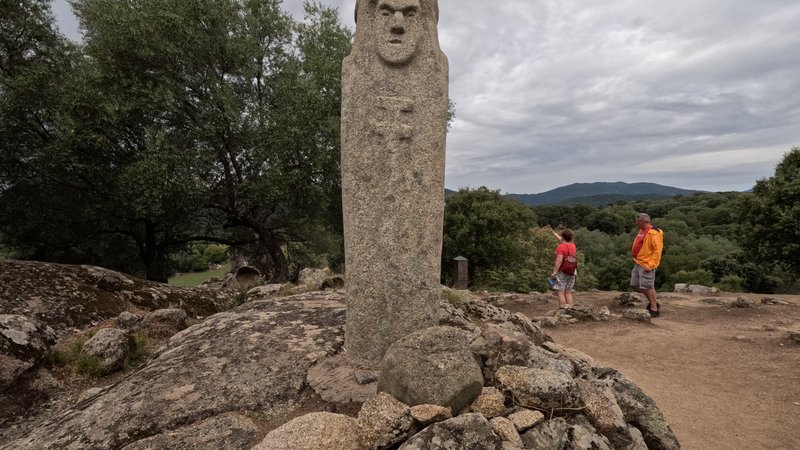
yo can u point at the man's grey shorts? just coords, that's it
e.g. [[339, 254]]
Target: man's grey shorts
[[642, 278]]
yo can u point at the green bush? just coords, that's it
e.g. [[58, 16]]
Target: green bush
[[731, 283], [698, 276], [216, 254], [198, 263], [196, 257]]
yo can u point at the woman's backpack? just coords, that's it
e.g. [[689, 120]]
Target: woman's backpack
[[569, 265]]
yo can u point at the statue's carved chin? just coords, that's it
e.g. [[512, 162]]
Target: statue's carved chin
[[396, 52]]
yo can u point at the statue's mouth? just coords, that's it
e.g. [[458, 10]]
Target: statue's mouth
[[395, 41]]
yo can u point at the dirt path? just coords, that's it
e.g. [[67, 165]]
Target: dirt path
[[726, 378]]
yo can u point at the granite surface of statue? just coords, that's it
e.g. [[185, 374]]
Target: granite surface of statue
[[394, 120]]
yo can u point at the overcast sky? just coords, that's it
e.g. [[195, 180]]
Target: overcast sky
[[696, 94]]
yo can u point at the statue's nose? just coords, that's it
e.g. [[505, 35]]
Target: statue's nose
[[397, 23]]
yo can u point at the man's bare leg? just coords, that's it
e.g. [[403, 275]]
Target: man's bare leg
[[651, 297]]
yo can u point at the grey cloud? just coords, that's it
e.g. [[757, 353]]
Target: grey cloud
[[692, 94]]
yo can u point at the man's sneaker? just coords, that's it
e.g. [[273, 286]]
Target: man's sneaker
[[655, 313]]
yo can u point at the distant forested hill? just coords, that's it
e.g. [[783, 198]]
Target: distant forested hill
[[601, 193]]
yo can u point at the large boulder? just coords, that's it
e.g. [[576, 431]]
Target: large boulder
[[465, 432], [433, 366], [551, 434], [24, 342]]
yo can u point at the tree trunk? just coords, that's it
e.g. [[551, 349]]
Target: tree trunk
[[280, 272], [156, 269], [153, 257]]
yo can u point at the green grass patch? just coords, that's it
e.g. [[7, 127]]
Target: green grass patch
[[140, 351], [454, 298], [196, 278], [72, 355], [89, 365]]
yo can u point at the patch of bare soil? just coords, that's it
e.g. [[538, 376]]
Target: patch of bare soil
[[725, 377]]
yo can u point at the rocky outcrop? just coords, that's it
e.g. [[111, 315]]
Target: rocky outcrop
[[695, 289], [226, 381], [67, 298], [24, 342], [630, 299], [254, 358], [578, 312], [219, 432]]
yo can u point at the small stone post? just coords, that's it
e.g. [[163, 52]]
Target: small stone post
[[394, 120], [460, 272]]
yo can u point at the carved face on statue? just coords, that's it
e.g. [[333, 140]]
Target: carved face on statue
[[399, 30]]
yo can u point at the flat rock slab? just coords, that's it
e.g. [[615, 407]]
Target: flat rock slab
[[335, 380]]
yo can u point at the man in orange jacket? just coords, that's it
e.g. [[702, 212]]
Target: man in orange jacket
[[646, 251]]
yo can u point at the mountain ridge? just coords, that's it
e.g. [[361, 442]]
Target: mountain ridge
[[598, 193]]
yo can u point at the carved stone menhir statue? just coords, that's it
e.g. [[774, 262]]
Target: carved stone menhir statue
[[394, 119]]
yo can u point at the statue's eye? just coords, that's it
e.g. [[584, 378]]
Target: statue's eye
[[411, 13], [385, 12]]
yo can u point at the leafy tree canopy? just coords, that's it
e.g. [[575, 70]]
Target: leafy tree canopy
[[177, 121], [491, 231], [771, 215]]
